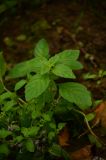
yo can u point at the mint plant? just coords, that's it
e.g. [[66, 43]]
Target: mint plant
[[28, 127]]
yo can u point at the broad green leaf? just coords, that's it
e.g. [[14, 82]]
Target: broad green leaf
[[63, 71], [25, 132], [18, 139], [36, 65], [51, 135], [42, 49], [4, 149], [2, 65], [90, 116], [47, 117], [35, 114], [76, 93], [33, 131], [68, 55], [75, 65], [23, 68], [9, 105], [30, 145], [36, 86], [7, 95], [52, 125], [4, 133], [20, 84], [57, 151], [30, 132]]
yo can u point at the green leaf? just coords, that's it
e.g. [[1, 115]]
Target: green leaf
[[75, 65], [30, 132], [7, 95], [51, 135], [4, 133], [30, 145], [44, 66], [36, 86], [50, 92], [42, 49], [35, 114], [63, 71], [90, 116], [57, 151], [95, 141], [25, 132], [9, 105], [68, 55], [18, 139], [4, 149], [33, 131], [37, 65], [104, 73], [2, 65], [89, 76], [54, 60], [1, 87], [20, 84], [60, 126], [76, 93], [22, 69], [47, 117]]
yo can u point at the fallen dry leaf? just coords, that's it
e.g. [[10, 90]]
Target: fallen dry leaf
[[100, 117], [82, 154], [63, 137]]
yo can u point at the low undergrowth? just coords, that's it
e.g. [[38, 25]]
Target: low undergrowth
[[38, 107]]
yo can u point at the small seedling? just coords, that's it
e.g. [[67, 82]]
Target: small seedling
[[95, 76]]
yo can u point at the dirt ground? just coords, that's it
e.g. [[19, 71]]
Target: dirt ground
[[65, 25]]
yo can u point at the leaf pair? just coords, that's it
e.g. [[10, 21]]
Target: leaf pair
[[64, 62]]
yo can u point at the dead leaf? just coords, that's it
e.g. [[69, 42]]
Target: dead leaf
[[82, 154], [63, 137], [100, 117]]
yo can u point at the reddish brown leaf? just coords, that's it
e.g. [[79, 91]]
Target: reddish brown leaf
[[63, 137], [100, 115], [82, 154]]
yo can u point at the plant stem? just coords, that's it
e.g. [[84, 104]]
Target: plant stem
[[88, 126]]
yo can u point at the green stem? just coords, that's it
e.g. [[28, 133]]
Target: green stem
[[88, 126]]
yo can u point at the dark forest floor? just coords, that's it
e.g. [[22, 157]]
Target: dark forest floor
[[65, 25]]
